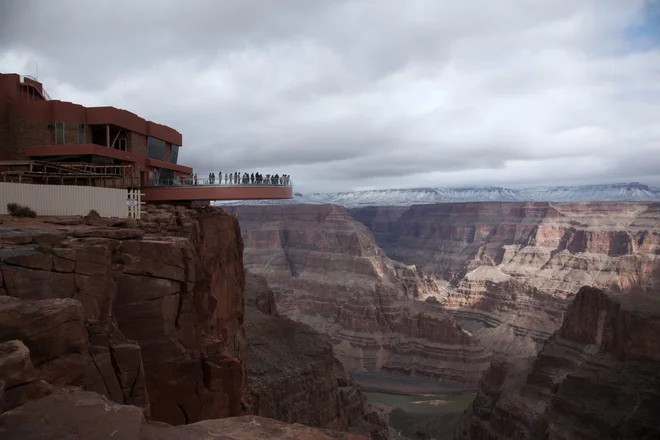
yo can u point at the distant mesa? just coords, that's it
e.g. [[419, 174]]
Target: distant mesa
[[616, 192]]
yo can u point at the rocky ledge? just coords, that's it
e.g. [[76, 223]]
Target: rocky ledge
[[75, 415], [598, 377]]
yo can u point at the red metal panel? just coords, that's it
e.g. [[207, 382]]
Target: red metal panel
[[256, 192], [170, 166]]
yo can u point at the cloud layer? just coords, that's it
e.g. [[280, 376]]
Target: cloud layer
[[367, 93]]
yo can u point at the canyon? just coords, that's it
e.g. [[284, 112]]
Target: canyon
[[507, 271], [381, 315], [108, 327], [194, 323], [597, 377]]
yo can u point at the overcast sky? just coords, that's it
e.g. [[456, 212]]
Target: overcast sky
[[357, 94]]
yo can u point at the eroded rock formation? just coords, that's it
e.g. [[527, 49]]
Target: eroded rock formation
[[148, 320], [327, 272], [293, 374], [598, 377], [507, 271]]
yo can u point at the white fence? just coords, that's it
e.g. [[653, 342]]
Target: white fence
[[68, 200], [134, 203]]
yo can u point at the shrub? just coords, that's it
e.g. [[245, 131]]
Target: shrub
[[93, 213], [130, 223], [45, 249], [17, 210]]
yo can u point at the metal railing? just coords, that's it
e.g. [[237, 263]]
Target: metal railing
[[43, 90], [192, 182]]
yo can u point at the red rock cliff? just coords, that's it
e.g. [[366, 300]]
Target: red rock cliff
[[159, 322]]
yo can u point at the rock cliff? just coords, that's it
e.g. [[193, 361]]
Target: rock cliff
[[598, 377], [149, 320], [327, 272], [293, 374], [507, 271]]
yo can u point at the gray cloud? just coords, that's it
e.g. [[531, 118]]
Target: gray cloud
[[364, 93]]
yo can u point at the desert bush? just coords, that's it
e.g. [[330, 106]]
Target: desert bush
[[45, 249], [130, 223], [93, 213], [17, 210]]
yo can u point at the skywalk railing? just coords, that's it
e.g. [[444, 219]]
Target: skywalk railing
[[192, 182]]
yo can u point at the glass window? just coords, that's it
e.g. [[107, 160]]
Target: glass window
[[165, 177], [81, 133], [59, 133], [155, 148], [174, 154]]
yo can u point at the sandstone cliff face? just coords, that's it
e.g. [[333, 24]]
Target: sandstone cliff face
[[146, 320], [327, 272], [293, 374], [507, 271], [598, 377]]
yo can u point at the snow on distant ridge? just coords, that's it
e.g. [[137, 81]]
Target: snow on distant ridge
[[618, 192]]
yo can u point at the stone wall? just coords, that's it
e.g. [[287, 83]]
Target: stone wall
[[137, 144], [19, 132]]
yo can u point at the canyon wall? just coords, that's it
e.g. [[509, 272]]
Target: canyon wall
[[507, 271], [293, 375], [327, 272], [597, 377], [149, 320]]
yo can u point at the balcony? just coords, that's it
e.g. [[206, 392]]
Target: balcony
[[188, 190]]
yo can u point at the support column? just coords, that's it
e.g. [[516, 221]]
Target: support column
[[107, 135]]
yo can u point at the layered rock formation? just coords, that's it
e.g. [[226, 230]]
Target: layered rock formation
[[598, 377], [75, 415], [147, 320], [293, 374], [507, 271], [326, 271]]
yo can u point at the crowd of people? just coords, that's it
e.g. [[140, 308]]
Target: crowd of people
[[238, 178]]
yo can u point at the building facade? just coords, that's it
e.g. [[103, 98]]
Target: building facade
[[34, 127], [68, 143]]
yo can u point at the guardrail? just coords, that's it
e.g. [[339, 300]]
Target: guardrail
[[192, 182]]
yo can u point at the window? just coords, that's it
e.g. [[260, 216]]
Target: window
[[59, 133], [81, 134], [174, 153], [155, 149]]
